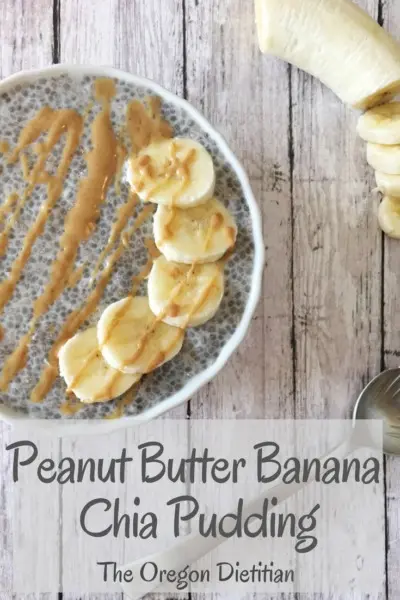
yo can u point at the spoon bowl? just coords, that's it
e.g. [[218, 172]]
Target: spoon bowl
[[380, 400]]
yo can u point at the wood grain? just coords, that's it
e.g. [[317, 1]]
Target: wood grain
[[337, 253], [26, 35], [244, 95], [391, 358], [145, 38], [337, 270], [328, 320], [26, 32], [239, 97]]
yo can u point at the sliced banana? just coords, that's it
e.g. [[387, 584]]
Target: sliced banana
[[337, 42], [200, 291], [87, 374], [389, 217], [385, 159], [381, 125], [201, 234], [178, 172], [389, 185], [133, 340]]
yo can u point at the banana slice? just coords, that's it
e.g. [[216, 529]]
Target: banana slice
[[381, 125], [389, 185], [385, 159], [337, 42], [178, 172], [200, 291], [389, 217], [87, 374], [133, 340], [201, 234]]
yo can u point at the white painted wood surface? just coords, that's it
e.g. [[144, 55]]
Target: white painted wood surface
[[328, 320], [26, 34]]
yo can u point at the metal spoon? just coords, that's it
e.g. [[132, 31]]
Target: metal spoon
[[380, 399]]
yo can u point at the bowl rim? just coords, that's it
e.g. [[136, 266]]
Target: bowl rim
[[78, 426]]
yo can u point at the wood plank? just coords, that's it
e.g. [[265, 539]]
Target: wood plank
[[246, 99], [244, 95], [337, 254], [391, 348], [143, 38], [26, 35], [26, 32]]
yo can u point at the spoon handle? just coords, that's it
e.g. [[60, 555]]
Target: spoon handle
[[194, 546]]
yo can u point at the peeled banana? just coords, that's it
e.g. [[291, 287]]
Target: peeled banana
[[178, 172], [381, 125], [87, 374], [389, 217], [385, 159], [197, 301], [133, 340], [337, 42], [201, 234], [389, 185]]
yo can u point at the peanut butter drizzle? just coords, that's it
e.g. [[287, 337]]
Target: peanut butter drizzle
[[40, 123], [121, 156], [121, 404], [145, 124], [24, 166], [107, 391], [167, 231], [70, 122], [153, 253], [162, 354], [160, 357], [175, 167], [145, 213], [76, 318], [32, 131], [152, 249], [152, 126], [201, 299], [3, 243], [116, 319], [81, 219], [88, 360], [160, 317], [231, 235], [78, 375], [124, 214], [17, 360], [216, 223], [161, 127], [8, 205], [2, 333], [76, 276], [71, 405], [141, 344], [4, 147], [174, 310]]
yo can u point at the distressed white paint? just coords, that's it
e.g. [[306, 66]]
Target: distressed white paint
[[316, 337], [26, 33]]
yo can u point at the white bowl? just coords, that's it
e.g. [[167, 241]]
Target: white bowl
[[69, 85]]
